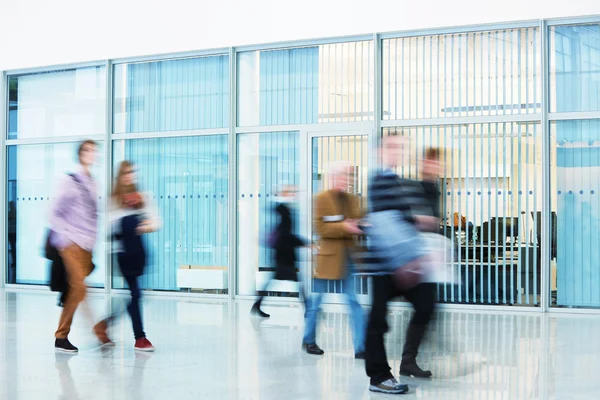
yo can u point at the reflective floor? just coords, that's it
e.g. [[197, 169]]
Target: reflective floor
[[214, 350]]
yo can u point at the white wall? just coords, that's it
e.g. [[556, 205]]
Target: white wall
[[42, 32]]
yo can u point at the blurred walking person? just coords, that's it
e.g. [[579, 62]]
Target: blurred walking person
[[388, 192], [284, 242], [132, 214], [74, 222], [336, 221]]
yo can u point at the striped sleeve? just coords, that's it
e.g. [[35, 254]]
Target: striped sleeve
[[388, 192]]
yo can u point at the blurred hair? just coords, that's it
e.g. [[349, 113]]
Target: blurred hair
[[120, 190], [432, 153], [88, 142]]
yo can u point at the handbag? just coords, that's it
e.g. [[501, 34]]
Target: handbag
[[398, 246], [272, 239]]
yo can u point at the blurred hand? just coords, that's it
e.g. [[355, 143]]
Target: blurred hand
[[144, 227], [427, 223], [351, 227]]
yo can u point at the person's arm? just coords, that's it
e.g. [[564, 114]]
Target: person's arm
[[62, 204], [284, 224], [432, 196], [327, 225], [153, 222], [115, 215]]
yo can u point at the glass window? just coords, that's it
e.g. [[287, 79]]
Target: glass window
[[490, 198], [33, 172], [575, 217], [173, 95], [319, 84], [575, 68], [187, 179], [462, 74], [62, 103], [266, 162]]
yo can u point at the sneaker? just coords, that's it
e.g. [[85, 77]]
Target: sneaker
[[144, 345], [390, 386], [100, 331], [64, 346]]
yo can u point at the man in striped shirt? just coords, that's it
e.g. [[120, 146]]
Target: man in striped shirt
[[389, 192]]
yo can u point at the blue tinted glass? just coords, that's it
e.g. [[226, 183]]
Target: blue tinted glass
[[186, 179], [171, 95], [575, 68]]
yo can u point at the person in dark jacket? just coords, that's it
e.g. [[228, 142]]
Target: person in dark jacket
[[285, 243], [390, 192], [431, 172], [132, 214]]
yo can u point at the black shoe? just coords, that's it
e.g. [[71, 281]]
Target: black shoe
[[314, 349], [258, 312], [361, 355], [390, 386], [64, 346], [414, 370]]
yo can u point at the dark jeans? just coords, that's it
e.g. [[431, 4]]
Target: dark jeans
[[422, 297], [133, 308]]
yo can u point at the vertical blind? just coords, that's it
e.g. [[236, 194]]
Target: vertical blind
[[462, 74], [575, 86], [576, 210], [575, 68], [173, 95], [187, 178], [318, 84], [490, 192]]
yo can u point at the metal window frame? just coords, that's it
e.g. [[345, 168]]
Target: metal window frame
[[374, 126], [3, 133], [545, 237]]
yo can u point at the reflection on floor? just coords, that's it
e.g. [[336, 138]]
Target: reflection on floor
[[214, 350]]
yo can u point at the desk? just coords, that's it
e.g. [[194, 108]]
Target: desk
[[490, 274]]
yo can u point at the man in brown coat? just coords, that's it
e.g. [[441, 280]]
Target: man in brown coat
[[336, 217]]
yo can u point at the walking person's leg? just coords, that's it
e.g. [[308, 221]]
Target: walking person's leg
[[357, 316], [302, 293], [134, 307], [135, 312], [78, 265], [256, 310], [422, 298], [312, 316], [376, 363]]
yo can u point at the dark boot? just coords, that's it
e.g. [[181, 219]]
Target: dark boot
[[257, 311], [409, 366]]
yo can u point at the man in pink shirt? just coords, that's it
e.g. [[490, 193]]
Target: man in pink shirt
[[74, 222]]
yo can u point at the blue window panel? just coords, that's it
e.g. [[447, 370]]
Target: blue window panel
[[172, 95], [187, 178], [289, 87], [577, 177], [575, 68]]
